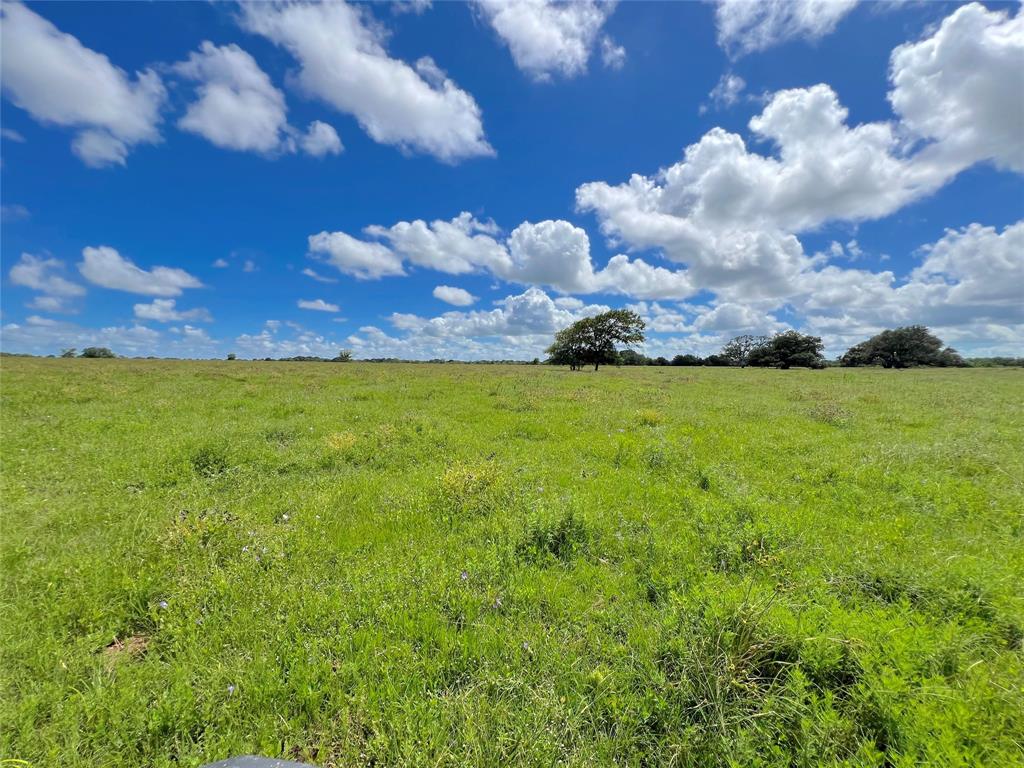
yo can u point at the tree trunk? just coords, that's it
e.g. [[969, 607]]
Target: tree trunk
[[595, 366]]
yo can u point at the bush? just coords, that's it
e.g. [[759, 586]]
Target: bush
[[97, 352]]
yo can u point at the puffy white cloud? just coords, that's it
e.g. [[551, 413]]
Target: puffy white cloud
[[978, 265], [344, 63], [44, 275], [729, 214], [459, 246], [105, 267], [963, 87], [320, 140], [532, 312], [165, 311], [458, 297], [746, 26], [237, 106], [221, 263], [551, 253], [547, 37], [318, 305], [56, 79], [363, 260]]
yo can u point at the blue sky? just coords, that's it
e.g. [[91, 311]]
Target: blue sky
[[454, 180]]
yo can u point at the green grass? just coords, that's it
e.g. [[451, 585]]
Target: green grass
[[473, 565]]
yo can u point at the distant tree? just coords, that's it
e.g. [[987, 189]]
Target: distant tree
[[717, 361], [592, 340], [789, 349], [737, 351], [687, 360], [69, 352], [232, 356], [535, 361], [631, 357], [902, 348], [344, 356], [97, 352], [660, 361], [567, 348]]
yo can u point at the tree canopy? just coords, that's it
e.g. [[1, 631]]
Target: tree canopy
[[97, 352], [593, 340], [789, 349], [902, 348], [738, 351]]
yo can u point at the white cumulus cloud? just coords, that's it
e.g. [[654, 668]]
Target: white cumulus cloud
[[59, 81], [105, 267], [458, 297], [344, 63], [548, 37], [748, 26], [318, 305], [165, 311]]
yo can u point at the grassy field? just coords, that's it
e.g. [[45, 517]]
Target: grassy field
[[467, 565]]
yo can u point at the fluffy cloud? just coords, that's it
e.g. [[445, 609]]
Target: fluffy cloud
[[547, 37], [320, 139], [978, 266], [318, 305], [458, 246], [239, 108], [363, 260], [165, 311], [458, 297], [746, 27], [59, 81], [531, 313], [730, 214], [551, 253], [43, 275], [344, 63], [963, 87], [105, 267]]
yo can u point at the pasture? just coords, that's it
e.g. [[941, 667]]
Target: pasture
[[370, 564]]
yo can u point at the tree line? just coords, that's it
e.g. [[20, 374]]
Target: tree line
[[596, 340]]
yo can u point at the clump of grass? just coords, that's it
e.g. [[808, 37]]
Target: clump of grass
[[561, 539], [830, 413], [473, 488], [341, 441], [210, 460], [648, 417], [738, 541]]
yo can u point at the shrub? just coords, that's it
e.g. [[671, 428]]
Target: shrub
[[97, 352]]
